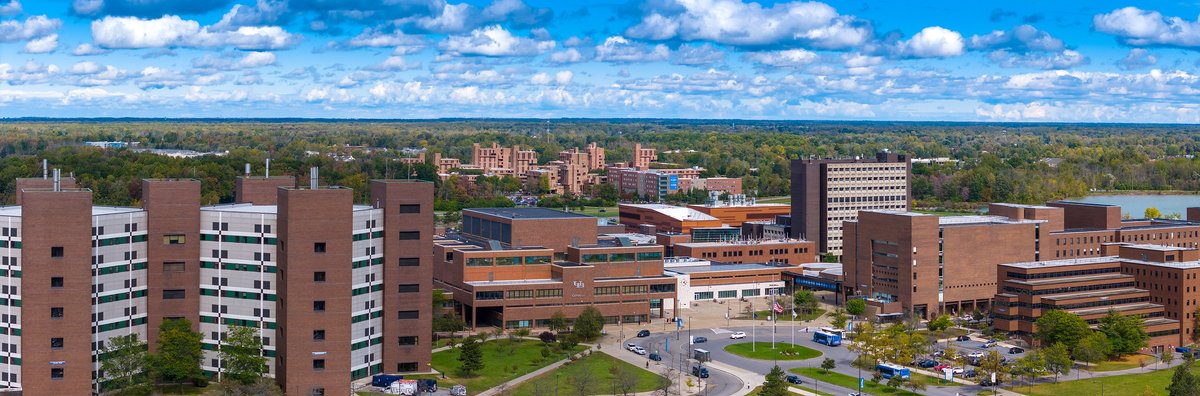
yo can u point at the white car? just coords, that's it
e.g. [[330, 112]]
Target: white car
[[975, 355], [639, 350], [956, 370], [737, 336], [630, 346]]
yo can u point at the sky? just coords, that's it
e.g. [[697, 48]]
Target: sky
[[1026, 61]]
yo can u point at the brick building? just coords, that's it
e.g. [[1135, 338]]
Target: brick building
[[828, 192], [787, 251], [665, 218], [518, 227], [511, 161]]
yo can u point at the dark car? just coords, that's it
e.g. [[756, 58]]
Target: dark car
[[644, 333], [655, 357], [976, 362], [699, 340], [1015, 350], [970, 373], [927, 363], [988, 382], [964, 338], [795, 379]]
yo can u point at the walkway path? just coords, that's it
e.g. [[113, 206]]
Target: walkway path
[[533, 374]]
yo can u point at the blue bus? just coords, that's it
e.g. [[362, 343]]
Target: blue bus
[[827, 338], [891, 370]]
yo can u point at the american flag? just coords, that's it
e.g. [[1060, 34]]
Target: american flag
[[778, 308]]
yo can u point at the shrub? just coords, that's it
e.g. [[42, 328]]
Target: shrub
[[547, 336]]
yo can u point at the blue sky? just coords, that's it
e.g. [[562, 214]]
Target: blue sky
[[877, 60]]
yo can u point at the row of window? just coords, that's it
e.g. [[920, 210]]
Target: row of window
[[493, 261]]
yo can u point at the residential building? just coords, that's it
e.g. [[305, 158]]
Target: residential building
[[642, 157], [510, 161], [827, 192]]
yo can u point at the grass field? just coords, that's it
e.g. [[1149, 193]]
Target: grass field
[[502, 362], [787, 316], [1133, 384], [782, 200], [762, 351], [1125, 363], [849, 382], [596, 366], [598, 211]]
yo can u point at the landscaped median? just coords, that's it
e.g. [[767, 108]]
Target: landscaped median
[[503, 361], [595, 374], [764, 351]]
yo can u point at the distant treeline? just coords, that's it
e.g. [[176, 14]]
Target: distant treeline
[[993, 162]]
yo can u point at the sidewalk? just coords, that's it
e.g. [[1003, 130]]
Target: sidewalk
[[533, 374]]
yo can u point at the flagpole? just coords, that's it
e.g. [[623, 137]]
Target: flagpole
[[775, 317]]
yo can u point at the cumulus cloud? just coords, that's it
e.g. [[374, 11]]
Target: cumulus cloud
[[697, 55], [562, 77], [13, 7], [733, 22], [463, 17], [86, 49], [933, 42], [495, 41], [375, 38], [145, 8], [232, 61], [31, 28], [264, 12], [620, 49], [42, 44], [1137, 58], [569, 55], [1138, 27], [395, 63], [1026, 46], [172, 31], [786, 58]]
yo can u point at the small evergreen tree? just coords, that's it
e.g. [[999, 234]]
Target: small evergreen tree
[[775, 384], [1184, 383], [470, 355]]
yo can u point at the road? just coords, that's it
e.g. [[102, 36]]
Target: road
[[718, 338]]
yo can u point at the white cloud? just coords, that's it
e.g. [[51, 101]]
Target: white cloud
[[786, 58], [733, 22], [375, 38], [263, 12], [495, 41], [569, 55], [31, 28], [256, 59], [13, 7], [560, 78], [172, 31], [157, 78], [230, 60], [620, 49], [1054, 60], [42, 44], [1137, 58], [87, 7], [88, 49], [1135, 26], [1026, 46], [933, 42], [697, 55], [453, 18], [395, 63]]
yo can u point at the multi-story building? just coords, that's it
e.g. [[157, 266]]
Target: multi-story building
[[736, 212], [498, 160], [728, 185], [1155, 282], [827, 192], [665, 218], [642, 157], [787, 251], [591, 157], [129, 269], [917, 263], [517, 227], [704, 280], [515, 287]]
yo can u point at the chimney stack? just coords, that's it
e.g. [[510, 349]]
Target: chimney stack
[[45, 169], [57, 182], [268, 173], [312, 178], [247, 169]]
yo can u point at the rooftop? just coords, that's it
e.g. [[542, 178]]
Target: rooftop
[[262, 209], [675, 212], [723, 267], [527, 213], [96, 210], [1013, 205], [1063, 262], [741, 242], [982, 219]]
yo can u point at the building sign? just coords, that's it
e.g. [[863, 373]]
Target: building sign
[[578, 284]]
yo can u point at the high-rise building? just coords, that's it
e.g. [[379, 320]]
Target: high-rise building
[[337, 291], [827, 192]]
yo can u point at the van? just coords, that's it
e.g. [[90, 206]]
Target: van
[[699, 371]]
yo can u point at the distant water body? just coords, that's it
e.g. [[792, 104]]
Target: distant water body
[[1135, 205]]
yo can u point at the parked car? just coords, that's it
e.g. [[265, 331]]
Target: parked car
[[976, 362], [927, 363], [958, 370], [655, 357], [988, 344], [963, 338], [988, 382], [639, 350], [941, 367], [737, 335], [970, 373], [643, 333], [975, 354], [939, 353], [630, 346], [699, 339], [795, 379], [1015, 350]]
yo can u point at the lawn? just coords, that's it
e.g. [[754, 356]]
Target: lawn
[[1155, 381], [782, 200], [849, 382], [597, 211], [502, 361], [787, 316], [1125, 363], [596, 366], [762, 351]]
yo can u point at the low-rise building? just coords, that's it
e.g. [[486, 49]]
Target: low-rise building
[[665, 218], [787, 251], [707, 280]]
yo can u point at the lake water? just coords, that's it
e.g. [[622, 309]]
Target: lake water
[[1135, 205]]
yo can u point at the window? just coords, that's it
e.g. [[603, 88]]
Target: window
[[56, 312], [56, 373], [174, 294], [318, 335], [319, 306], [319, 364], [174, 239], [56, 251], [409, 235], [407, 341], [56, 343], [408, 315], [406, 367], [316, 391], [319, 247], [56, 282], [413, 288], [410, 208], [319, 276], [173, 266], [479, 262], [410, 262]]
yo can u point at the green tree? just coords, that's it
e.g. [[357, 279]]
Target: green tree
[[1058, 359], [941, 323], [1124, 332], [126, 366], [1152, 213], [179, 353], [241, 355], [805, 301], [1196, 325], [775, 384], [470, 355], [1060, 326], [589, 323], [262, 386], [1184, 382], [1093, 348], [838, 319], [1031, 366], [856, 307], [1166, 356], [828, 364], [558, 321], [992, 363]]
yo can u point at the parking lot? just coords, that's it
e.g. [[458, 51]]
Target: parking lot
[[971, 348]]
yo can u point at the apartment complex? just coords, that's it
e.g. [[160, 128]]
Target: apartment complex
[[906, 262], [511, 161], [1155, 282], [319, 305], [828, 192]]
